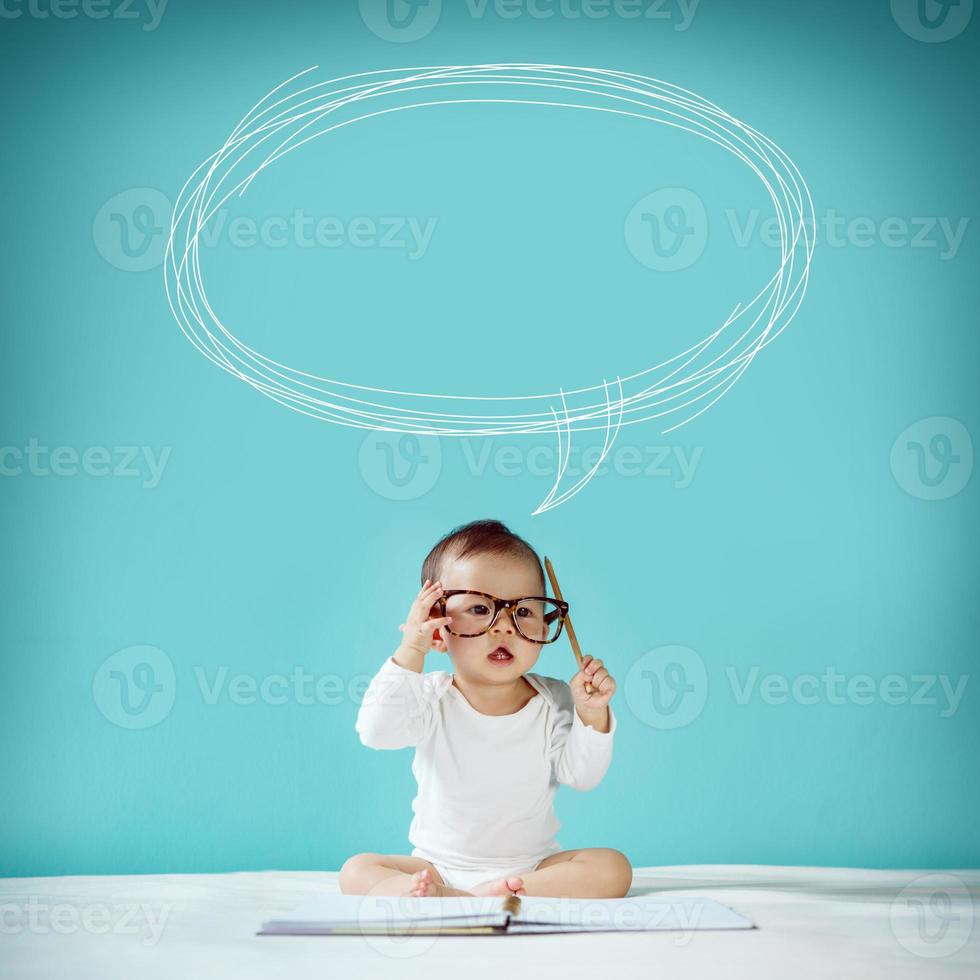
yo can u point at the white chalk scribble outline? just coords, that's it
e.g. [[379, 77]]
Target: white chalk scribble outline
[[299, 110]]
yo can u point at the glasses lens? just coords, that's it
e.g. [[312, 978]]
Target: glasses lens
[[471, 613], [536, 619]]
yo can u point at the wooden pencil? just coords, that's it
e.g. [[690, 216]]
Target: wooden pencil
[[576, 649]]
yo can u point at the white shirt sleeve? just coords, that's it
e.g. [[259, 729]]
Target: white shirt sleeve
[[580, 755], [398, 709]]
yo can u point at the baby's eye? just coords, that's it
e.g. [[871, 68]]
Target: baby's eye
[[479, 610]]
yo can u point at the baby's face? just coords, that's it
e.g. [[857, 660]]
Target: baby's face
[[508, 578]]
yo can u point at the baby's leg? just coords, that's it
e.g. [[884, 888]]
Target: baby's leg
[[591, 872], [392, 874]]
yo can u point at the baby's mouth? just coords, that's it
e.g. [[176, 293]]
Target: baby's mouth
[[500, 656]]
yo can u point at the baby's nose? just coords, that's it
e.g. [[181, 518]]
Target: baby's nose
[[504, 620]]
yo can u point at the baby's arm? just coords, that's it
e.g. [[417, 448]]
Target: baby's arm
[[398, 706], [395, 712], [582, 752]]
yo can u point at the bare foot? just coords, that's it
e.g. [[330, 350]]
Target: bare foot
[[501, 886], [423, 886]]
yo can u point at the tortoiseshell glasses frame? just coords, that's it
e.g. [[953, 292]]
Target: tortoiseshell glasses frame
[[559, 614]]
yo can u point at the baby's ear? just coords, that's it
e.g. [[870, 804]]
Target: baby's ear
[[438, 643]]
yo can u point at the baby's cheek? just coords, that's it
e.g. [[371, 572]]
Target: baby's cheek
[[464, 646]]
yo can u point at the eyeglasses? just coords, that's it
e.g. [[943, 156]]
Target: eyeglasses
[[537, 618]]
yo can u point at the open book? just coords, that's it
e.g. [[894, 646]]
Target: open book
[[345, 915]]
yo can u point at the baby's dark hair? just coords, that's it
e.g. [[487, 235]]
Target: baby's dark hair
[[479, 538]]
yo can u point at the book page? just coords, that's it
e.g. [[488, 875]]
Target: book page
[[639, 913], [327, 910]]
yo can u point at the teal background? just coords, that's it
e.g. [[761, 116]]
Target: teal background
[[272, 542]]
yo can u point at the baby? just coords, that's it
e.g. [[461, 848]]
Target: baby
[[492, 741]]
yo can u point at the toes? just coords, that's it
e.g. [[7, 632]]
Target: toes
[[420, 883]]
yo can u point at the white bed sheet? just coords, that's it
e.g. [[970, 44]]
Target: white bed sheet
[[812, 922]]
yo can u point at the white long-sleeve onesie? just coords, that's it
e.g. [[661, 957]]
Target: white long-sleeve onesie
[[486, 783]]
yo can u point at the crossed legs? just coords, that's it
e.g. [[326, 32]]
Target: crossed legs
[[589, 872]]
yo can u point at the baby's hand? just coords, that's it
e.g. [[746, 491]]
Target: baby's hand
[[603, 685], [420, 624]]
